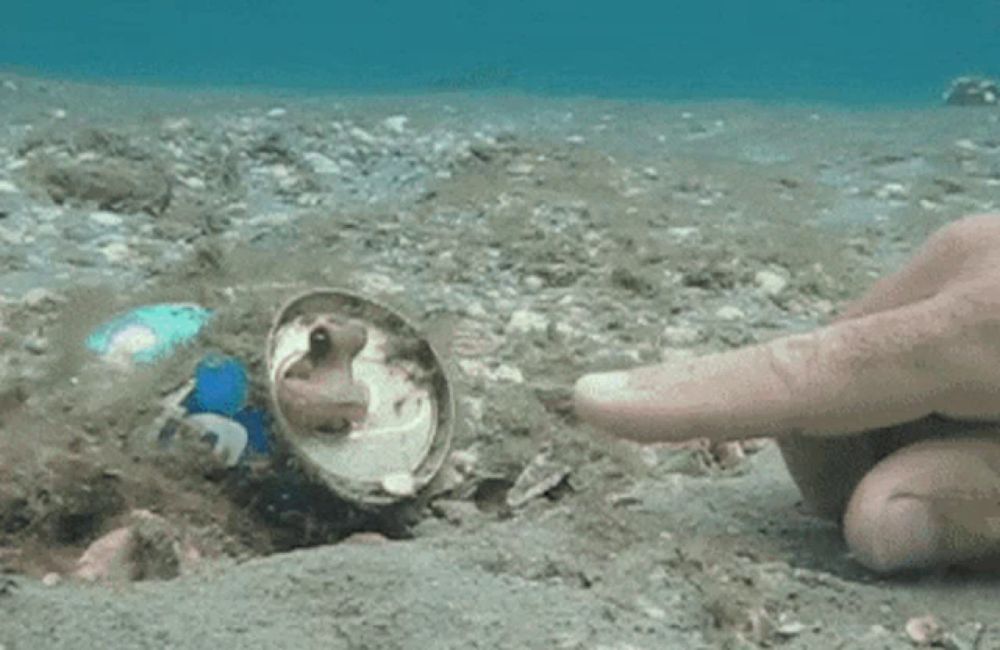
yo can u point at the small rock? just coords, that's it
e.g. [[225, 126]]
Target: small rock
[[924, 631], [36, 344], [455, 511], [277, 112], [321, 164], [193, 182], [534, 283], [116, 252], [149, 547], [541, 475], [576, 139], [401, 484], [681, 335], [730, 313], [396, 123], [728, 454], [364, 136], [464, 461], [682, 232], [973, 91], [106, 219], [39, 298], [176, 124], [10, 85], [651, 173], [524, 321], [118, 185], [51, 579], [520, 169], [892, 191], [770, 283], [508, 373], [6, 187], [791, 628], [58, 114]]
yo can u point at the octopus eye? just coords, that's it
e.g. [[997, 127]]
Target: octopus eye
[[319, 341]]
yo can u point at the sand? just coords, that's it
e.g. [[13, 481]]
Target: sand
[[532, 239]]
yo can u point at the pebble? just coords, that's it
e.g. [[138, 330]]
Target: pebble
[[115, 252], [358, 133], [320, 163], [682, 232], [40, 297], [277, 112], [790, 629], [10, 85], [651, 173], [509, 373], [396, 123], [36, 344], [893, 191], [729, 454], [7, 187], [770, 283], [924, 631], [400, 484], [730, 313], [176, 124], [681, 335], [534, 283], [106, 218], [576, 139], [520, 169], [193, 182], [479, 370], [524, 321], [50, 580], [456, 512], [538, 477], [465, 460], [7, 236]]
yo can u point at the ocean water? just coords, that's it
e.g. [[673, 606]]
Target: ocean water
[[848, 51]]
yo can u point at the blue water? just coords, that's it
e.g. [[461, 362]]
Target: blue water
[[841, 50]]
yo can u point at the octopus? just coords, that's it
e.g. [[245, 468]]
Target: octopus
[[888, 418], [317, 390]]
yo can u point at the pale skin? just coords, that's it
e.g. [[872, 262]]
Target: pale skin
[[888, 418]]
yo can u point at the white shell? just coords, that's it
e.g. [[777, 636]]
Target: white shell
[[401, 444]]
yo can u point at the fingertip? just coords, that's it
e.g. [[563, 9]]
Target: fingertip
[[595, 394]]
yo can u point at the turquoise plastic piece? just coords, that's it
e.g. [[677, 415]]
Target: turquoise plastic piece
[[171, 324]]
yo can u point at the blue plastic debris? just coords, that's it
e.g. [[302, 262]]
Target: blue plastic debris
[[149, 333], [220, 386], [257, 424], [228, 438]]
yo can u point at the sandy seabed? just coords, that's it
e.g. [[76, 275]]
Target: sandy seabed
[[533, 239]]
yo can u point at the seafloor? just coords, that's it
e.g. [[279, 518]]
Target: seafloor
[[533, 239]]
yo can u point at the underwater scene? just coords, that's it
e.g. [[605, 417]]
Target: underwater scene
[[534, 325]]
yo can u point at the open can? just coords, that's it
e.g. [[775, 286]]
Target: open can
[[359, 396]]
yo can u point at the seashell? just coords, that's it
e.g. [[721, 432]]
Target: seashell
[[359, 396]]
